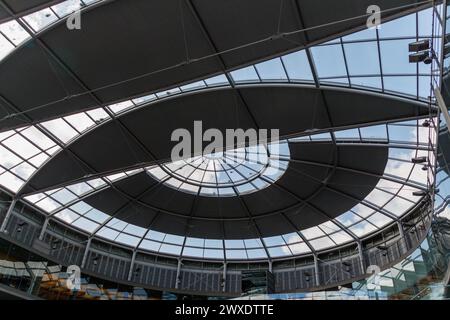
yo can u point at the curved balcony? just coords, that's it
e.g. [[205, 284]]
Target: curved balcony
[[188, 276]]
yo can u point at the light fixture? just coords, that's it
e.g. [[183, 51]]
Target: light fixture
[[307, 276], [20, 226], [421, 52], [426, 124], [408, 224], [383, 249], [420, 193], [424, 167], [55, 243], [95, 261], [419, 57], [419, 45], [347, 265], [419, 160], [428, 60]]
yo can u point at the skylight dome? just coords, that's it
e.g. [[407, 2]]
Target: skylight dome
[[226, 174]]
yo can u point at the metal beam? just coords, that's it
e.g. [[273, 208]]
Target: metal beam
[[213, 46], [224, 277], [441, 103], [130, 272], [178, 279], [316, 269], [361, 257], [86, 252], [44, 228], [366, 173], [8, 215]]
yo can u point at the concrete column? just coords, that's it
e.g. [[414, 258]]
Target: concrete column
[[401, 232], [177, 283], [270, 266], [130, 273], [86, 251], [316, 269], [224, 276], [361, 257], [44, 228], [8, 215], [442, 106]]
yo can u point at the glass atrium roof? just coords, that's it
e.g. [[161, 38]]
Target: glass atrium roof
[[373, 60], [224, 174], [391, 198], [13, 34]]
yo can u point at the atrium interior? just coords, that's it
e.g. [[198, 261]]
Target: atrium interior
[[349, 201]]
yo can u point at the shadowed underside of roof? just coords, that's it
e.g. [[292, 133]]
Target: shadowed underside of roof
[[144, 134], [120, 41]]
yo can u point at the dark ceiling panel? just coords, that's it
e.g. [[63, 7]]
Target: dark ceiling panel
[[312, 152], [121, 41], [242, 18], [269, 199], [237, 229], [363, 108], [169, 199], [29, 78], [300, 184], [361, 184], [318, 15], [109, 148], [137, 185], [295, 108], [302, 217], [110, 201], [152, 39], [219, 208], [304, 200]]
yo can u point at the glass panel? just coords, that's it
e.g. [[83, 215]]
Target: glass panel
[[66, 7], [394, 57], [15, 33], [297, 66], [369, 82], [245, 75], [327, 67], [402, 27], [39, 20], [362, 58], [60, 129], [271, 70], [21, 146], [404, 85], [374, 133]]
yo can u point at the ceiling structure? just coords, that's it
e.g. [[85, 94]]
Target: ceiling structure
[[54, 70], [24, 7], [144, 134], [349, 108]]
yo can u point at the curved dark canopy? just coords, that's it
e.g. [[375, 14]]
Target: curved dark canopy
[[59, 67], [144, 134], [305, 196]]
